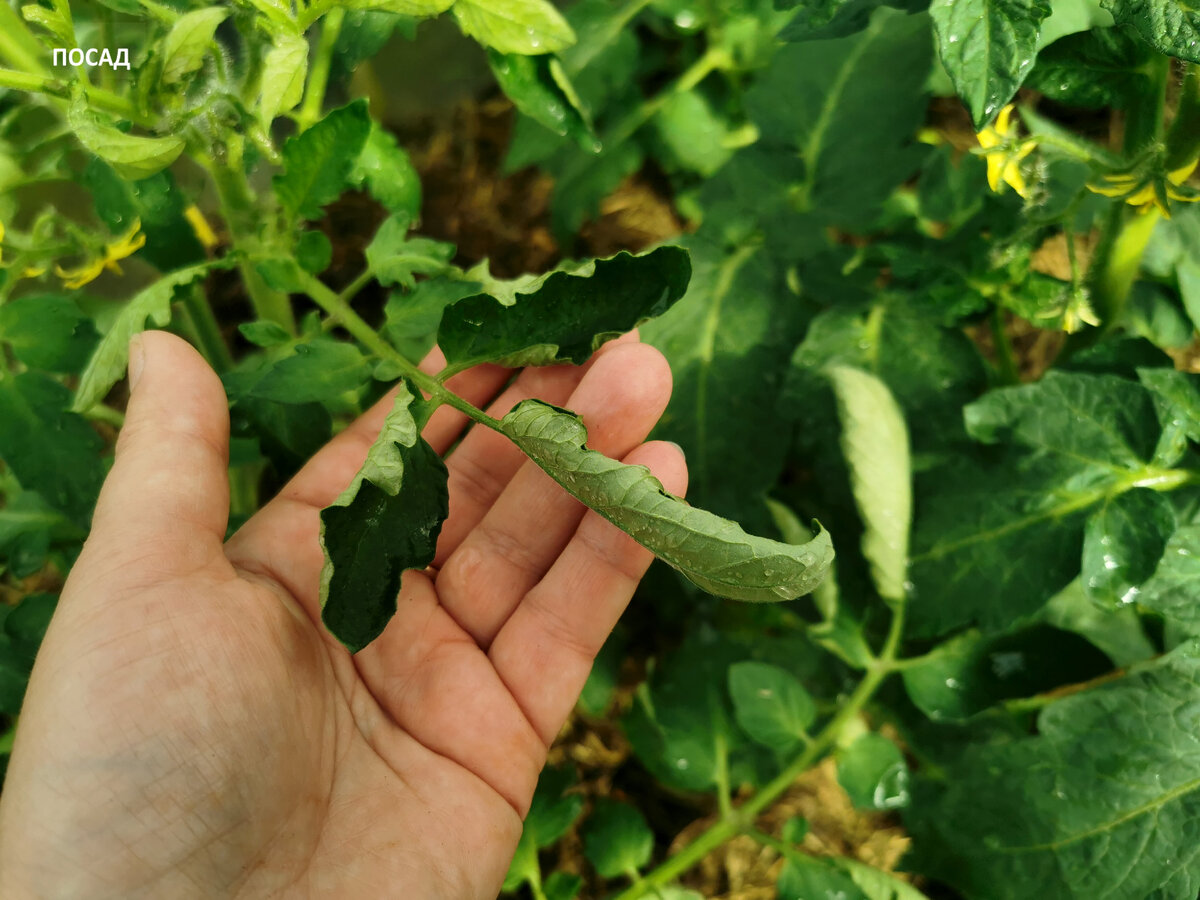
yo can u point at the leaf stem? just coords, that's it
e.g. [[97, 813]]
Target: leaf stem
[[1007, 362], [60, 90], [210, 342], [318, 78], [338, 308], [742, 818], [243, 219], [18, 46]]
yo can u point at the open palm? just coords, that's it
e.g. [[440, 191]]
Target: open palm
[[192, 730]]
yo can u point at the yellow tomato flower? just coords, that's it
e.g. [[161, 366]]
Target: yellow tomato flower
[[203, 231], [1146, 191], [126, 245], [1005, 152]]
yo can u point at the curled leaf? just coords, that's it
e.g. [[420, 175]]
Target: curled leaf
[[713, 553]]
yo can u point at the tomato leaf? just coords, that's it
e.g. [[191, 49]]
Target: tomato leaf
[[386, 522], [48, 331], [616, 839], [1103, 795], [108, 363], [317, 161], [987, 47], [50, 450], [1169, 26], [565, 317], [539, 88], [515, 26], [713, 553], [770, 704], [188, 42], [875, 445]]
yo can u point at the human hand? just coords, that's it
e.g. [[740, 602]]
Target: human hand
[[192, 730]]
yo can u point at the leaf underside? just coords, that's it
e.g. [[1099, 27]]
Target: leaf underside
[[713, 553]]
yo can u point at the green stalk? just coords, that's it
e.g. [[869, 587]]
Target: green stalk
[[1183, 140], [744, 816], [59, 90], [1144, 117], [209, 340], [1118, 259], [237, 204], [1007, 362], [713, 59], [318, 77], [18, 46], [338, 307]]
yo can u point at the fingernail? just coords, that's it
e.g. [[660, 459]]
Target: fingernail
[[677, 447], [137, 361]]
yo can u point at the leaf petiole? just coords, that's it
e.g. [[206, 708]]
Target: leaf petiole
[[337, 307]]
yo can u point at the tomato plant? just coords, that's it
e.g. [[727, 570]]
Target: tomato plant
[[936, 289]]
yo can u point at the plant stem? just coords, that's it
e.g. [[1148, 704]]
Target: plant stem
[[99, 412], [743, 816], [1144, 117], [337, 307], [52, 87], [18, 46], [1121, 264], [237, 204], [318, 78], [1007, 362], [724, 793], [714, 58], [209, 340]]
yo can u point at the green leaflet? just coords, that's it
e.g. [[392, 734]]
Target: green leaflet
[[188, 41], [412, 318], [132, 156], [713, 553], [515, 26], [728, 339], [1171, 27], [1123, 542], [999, 534], [873, 773], [282, 82], [1175, 584], [28, 526], [108, 363], [694, 135], [814, 878], [567, 317], [48, 331], [416, 8], [1102, 802], [970, 673], [849, 108], [551, 813], [320, 370], [987, 47], [397, 258], [539, 88], [770, 704], [317, 162], [616, 839], [1103, 67], [875, 445], [50, 450], [385, 170], [157, 203], [385, 522]]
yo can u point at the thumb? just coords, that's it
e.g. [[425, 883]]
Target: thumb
[[166, 499]]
